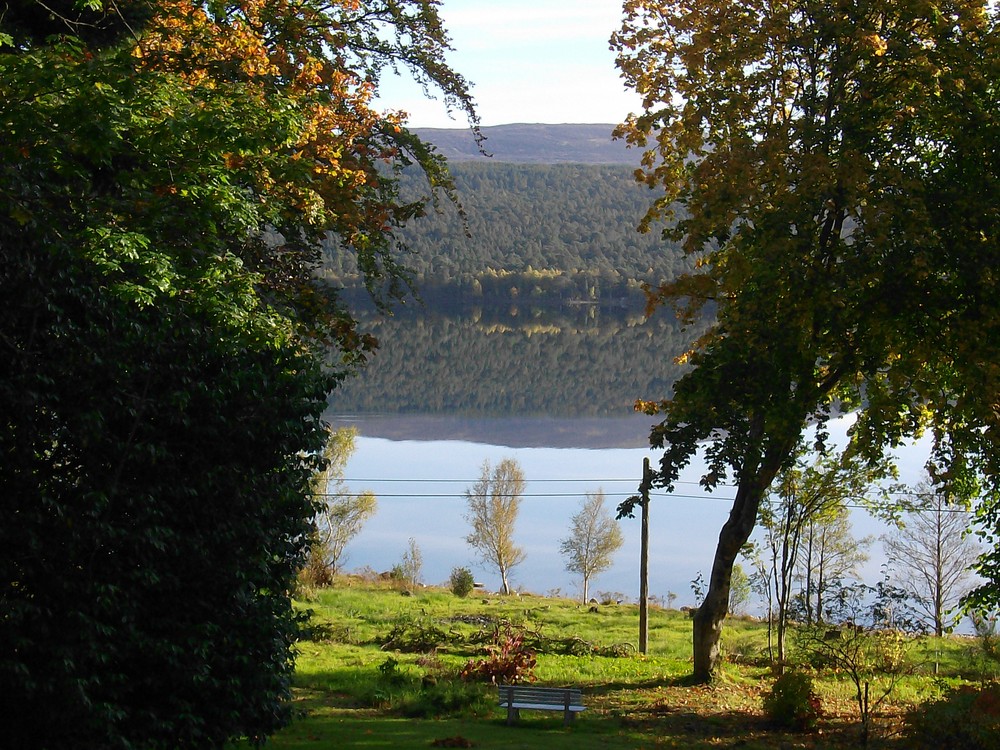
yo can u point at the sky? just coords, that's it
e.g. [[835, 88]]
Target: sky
[[530, 61]]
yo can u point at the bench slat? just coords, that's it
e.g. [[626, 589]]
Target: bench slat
[[516, 697]]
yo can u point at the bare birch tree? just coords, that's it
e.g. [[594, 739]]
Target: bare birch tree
[[593, 540], [932, 556], [493, 504]]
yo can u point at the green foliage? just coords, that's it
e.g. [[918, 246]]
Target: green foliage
[[830, 172], [162, 336], [447, 697], [389, 671], [965, 717], [739, 591], [871, 647], [415, 636], [462, 582], [792, 702], [983, 653], [340, 513], [411, 564]]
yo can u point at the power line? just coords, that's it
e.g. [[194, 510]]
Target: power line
[[590, 481], [467, 482], [416, 495], [557, 495]]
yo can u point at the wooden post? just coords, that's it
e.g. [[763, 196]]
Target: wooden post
[[647, 480]]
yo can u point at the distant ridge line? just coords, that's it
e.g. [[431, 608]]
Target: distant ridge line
[[534, 143]]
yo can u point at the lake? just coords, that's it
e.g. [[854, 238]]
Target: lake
[[445, 394]]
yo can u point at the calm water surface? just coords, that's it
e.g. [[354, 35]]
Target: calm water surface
[[420, 486]]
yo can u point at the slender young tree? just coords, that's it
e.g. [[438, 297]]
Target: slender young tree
[[593, 539], [493, 504], [832, 169], [740, 590], [342, 513], [412, 563], [828, 554], [804, 495], [932, 555]]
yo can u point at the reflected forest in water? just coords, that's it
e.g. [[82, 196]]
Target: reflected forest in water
[[583, 361]]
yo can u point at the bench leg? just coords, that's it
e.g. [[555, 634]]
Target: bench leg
[[513, 714], [568, 717]]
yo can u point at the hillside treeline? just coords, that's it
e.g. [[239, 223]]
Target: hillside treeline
[[551, 233], [514, 363]]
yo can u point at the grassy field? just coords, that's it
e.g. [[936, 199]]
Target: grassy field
[[380, 670]]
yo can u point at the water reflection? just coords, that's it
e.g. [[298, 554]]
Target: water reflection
[[540, 364], [554, 393]]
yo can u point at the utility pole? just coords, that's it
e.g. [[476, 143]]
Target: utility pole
[[644, 487]]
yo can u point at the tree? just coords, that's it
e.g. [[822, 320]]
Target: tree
[[462, 582], [804, 496], [593, 539], [493, 504], [828, 554], [341, 512], [871, 646], [739, 590], [412, 563], [827, 168], [932, 555], [167, 171]]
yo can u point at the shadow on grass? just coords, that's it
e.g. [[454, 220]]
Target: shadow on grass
[[333, 731], [665, 681]]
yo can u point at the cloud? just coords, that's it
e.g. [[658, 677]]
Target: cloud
[[529, 61], [497, 23]]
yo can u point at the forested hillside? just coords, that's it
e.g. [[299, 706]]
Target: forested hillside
[[551, 233]]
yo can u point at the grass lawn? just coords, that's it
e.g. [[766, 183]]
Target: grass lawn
[[380, 670]]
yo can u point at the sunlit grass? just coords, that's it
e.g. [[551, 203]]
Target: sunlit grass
[[354, 692]]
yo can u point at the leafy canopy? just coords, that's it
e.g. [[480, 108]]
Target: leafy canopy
[[167, 170], [832, 166], [828, 165]]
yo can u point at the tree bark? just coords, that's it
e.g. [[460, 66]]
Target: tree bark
[[755, 478], [712, 612], [504, 586]]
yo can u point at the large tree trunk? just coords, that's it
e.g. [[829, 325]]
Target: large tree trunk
[[711, 614], [753, 483]]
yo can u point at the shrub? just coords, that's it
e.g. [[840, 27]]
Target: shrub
[[965, 717], [462, 582], [509, 659], [315, 573], [413, 636], [389, 672], [792, 702]]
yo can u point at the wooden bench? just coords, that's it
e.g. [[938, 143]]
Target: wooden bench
[[516, 697]]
